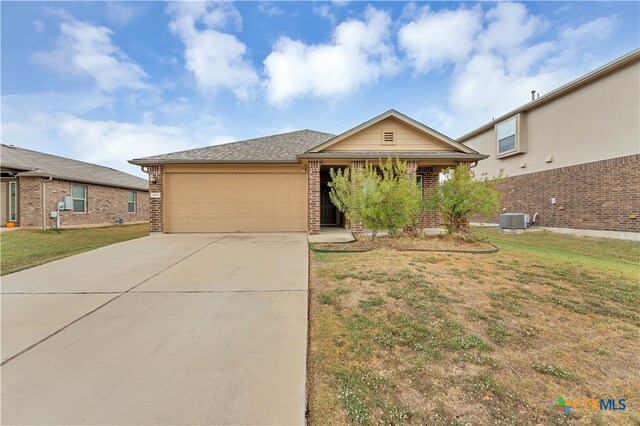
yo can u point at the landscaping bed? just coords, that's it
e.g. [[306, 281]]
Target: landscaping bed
[[438, 243]]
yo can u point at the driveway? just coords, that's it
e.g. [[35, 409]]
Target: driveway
[[168, 329]]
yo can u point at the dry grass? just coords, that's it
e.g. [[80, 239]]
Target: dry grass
[[440, 338], [455, 243]]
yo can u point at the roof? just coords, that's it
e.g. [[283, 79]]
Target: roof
[[291, 147], [282, 148], [560, 91], [397, 115], [33, 163]]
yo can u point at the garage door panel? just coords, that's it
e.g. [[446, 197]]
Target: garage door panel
[[235, 202]]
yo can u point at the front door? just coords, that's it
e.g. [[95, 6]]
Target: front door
[[328, 211]]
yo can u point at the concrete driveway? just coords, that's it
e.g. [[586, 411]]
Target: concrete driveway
[[168, 329]]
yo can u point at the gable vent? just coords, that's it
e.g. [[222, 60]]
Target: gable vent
[[388, 138]]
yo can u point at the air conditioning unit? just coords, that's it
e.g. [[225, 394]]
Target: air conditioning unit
[[514, 220]]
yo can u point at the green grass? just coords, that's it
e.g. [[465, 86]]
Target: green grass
[[26, 248], [400, 338]]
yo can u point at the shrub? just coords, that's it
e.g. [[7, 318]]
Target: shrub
[[462, 196], [382, 197]]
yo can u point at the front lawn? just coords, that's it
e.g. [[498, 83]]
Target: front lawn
[[451, 338], [26, 248]]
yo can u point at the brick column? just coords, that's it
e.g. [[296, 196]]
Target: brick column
[[313, 197], [430, 181], [156, 205], [30, 213], [356, 167]]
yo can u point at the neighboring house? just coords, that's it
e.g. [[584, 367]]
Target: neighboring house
[[578, 145], [34, 182], [279, 183]]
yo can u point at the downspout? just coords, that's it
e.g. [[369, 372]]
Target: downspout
[[44, 206]]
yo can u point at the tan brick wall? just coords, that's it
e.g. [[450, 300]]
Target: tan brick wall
[[104, 204], [30, 202], [599, 195], [313, 191], [430, 181], [156, 205]]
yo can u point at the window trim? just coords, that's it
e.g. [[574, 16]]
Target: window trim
[[86, 196], [134, 202], [13, 201], [520, 142]]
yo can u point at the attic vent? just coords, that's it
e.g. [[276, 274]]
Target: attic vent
[[388, 138]]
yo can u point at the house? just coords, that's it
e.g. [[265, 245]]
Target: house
[[572, 155], [34, 182], [279, 182]]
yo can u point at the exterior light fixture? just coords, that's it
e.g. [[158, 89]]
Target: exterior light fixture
[[153, 179]]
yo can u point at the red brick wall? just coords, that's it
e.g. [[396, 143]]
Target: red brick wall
[[430, 181], [156, 205], [30, 202], [104, 204], [599, 195], [313, 191]]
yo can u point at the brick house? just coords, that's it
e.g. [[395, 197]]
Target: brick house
[[578, 145], [32, 183], [279, 183]]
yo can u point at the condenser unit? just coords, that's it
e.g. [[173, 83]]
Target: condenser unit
[[514, 220]]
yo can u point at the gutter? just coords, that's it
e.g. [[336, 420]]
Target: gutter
[[93, 182], [143, 162]]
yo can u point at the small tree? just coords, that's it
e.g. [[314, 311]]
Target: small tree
[[462, 196], [383, 197]]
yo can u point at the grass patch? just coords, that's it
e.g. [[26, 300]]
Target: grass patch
[[26, 248], [437, 338]]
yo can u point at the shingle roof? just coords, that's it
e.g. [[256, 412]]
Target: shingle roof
[[34, 163], [282, 148]]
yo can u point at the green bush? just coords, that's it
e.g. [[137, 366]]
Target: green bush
[[382, 197], [462, 195]]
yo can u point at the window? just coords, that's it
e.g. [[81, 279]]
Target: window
[[419, 183], [79, 198], [13, 201], [131, 201], [506, 136]]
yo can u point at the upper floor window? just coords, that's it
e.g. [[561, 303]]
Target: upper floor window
[[506, 136], [79, 198], [131, 201]]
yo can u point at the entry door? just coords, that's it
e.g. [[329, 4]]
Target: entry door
[[328, 211]]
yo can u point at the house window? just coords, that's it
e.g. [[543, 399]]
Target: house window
[[506, 136], [131, 201], [13, 201], [388, 137], [419, 183], [79, 198]]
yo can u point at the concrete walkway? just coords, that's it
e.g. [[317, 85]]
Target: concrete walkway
[[168, 329]]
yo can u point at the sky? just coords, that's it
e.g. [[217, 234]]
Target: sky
[[106, 82]]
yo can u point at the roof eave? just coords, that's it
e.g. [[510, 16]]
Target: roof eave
[[144, 162], [375, 156], [69, 179]]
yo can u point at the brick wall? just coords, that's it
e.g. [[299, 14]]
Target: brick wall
[[599, 195], [156, 205], [30, 202], [313, 191], [430, 181]]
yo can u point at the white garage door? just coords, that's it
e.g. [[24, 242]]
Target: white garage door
[[235, 202]]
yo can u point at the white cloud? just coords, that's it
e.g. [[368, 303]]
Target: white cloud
[[112, 143], [324, 11], [39, 26], [599, 28], [216, 59], [270, 9], [86, 50], [438, 38], [359, 54], [121, 13], [510, 25]]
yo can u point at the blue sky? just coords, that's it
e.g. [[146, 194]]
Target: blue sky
[[105, 82]]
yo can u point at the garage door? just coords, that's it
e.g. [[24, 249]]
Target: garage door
[[235, 202]]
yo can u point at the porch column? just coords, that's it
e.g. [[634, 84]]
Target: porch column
[[313, 197], [430, 182], [355, 167], [412, 167], [156, 205]]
